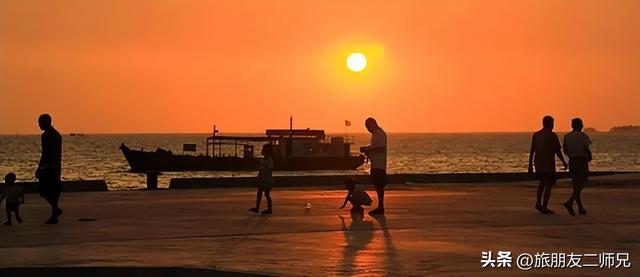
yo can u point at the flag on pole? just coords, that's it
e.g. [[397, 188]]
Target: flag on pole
[[347, 123]]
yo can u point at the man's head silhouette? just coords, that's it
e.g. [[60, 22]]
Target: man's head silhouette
[[44, 121], [547, 122], [10, 178], [371, 124], [577, 124]]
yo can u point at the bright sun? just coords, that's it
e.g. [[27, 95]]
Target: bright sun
[[356, 62]]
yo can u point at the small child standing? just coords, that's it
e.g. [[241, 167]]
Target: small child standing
[[265, 179], [357, 196], [13, 195]]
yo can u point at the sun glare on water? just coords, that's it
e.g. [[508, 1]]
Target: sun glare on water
[[356, 62]]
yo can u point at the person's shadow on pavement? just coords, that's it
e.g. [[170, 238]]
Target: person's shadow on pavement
[[357, 236]]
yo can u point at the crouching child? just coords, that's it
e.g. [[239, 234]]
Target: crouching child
[[356, 196]]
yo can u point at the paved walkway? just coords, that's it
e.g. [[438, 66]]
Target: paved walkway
[[435, 229]]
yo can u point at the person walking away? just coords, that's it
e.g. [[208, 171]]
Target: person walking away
[[50, 167], [544, 146], [265, 179], [576, 146]]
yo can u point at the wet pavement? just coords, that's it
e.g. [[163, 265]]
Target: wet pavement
[[439, 229]]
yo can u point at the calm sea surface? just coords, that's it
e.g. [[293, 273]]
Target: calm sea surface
[[98, 156]]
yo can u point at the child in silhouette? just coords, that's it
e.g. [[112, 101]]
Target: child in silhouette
[[265, 179], [357, 196], [13, 195]]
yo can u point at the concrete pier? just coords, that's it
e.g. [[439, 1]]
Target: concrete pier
[[328, 181], [436, 229], [70, 186]]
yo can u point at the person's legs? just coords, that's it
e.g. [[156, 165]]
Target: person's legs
[[17, 212], [380, 192], [584, 179], [50, 187], [357, 209], [578, 199], [574, 194], [256, 209], [579, 170], [539, 195], [55, 210], [8, 210], [379, 178], [569, 204], [578, 192], [267, 195], [259, 198], [547, 196], [53, 201], [547, 180], [56, 195]]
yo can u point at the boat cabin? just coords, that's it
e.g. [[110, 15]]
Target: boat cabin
[[287, 143]]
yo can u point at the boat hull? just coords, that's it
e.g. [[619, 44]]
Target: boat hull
[[145, 161]]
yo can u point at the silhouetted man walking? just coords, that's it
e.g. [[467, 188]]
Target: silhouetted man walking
[[50, 167], [576, 146], [544, 146], [377, 153]]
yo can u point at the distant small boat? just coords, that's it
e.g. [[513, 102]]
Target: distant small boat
[[294, 149], [76, 135]]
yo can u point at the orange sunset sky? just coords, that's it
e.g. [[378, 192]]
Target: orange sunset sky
[[122, 66]]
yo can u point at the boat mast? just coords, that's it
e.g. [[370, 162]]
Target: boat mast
[[212, 143], [215, 131], [290, 140]]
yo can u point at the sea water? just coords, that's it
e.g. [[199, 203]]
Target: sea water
[[98, 156]]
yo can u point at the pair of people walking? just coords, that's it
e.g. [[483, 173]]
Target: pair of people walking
[[545, 146]]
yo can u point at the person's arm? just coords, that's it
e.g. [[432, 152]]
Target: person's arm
[[531, 153], [346, 199], [376, 149], [45, 151], [378, 143], [559, 153], [589, 154], [561, 157], [44, 156], [22, 196], [264, 167], [587, 149]]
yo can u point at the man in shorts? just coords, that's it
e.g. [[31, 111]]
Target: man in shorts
[[50, 167], [377, 154], [544, 146]]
